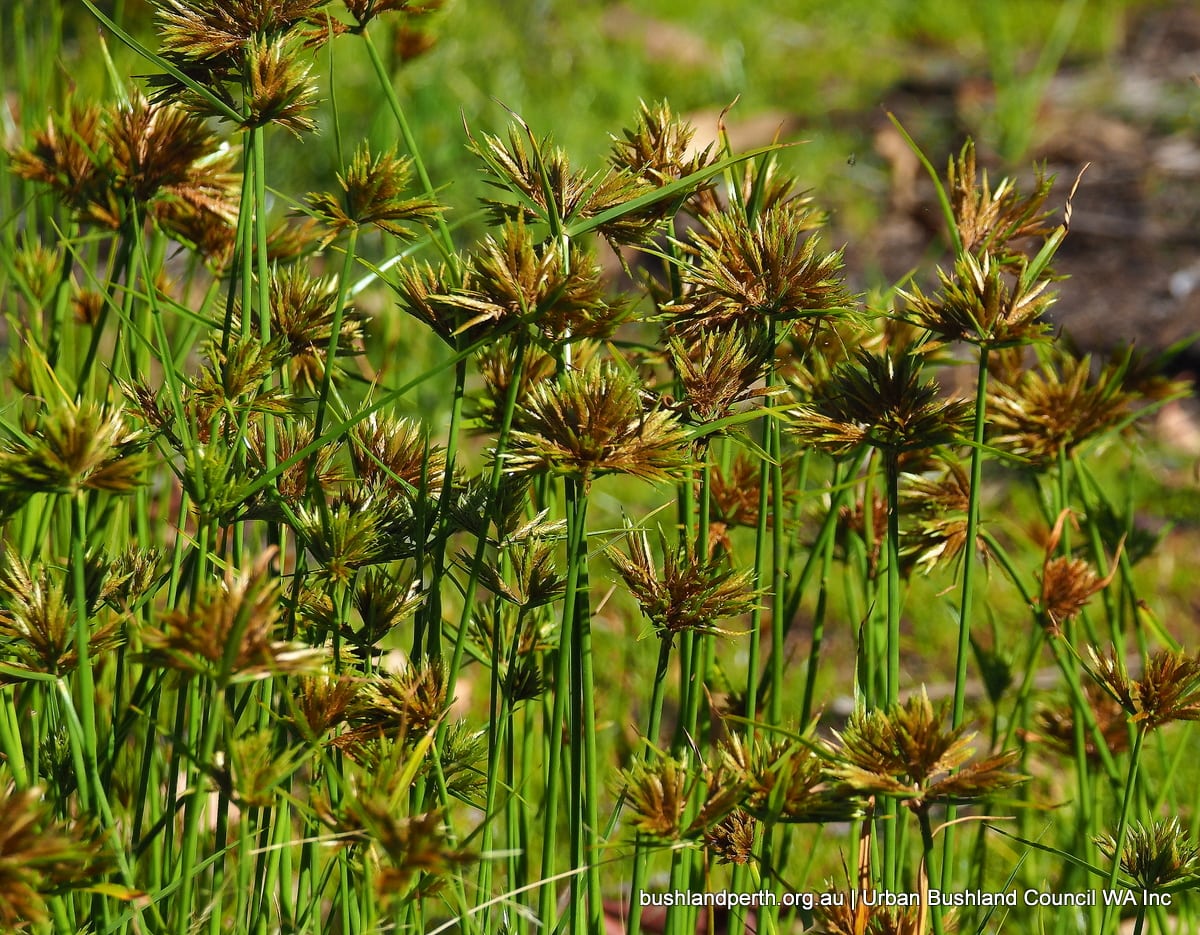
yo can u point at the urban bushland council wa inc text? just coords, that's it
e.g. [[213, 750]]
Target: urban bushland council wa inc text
[[948, 898]]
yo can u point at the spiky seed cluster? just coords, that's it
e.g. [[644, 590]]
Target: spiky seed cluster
[[656, 795], [373, 193], [1067, 584], [858, 919], [687, 594], [231, 383], [364, 11], [364, 526], [125, 580], [383, 601], [36, 266], [534, 580], [735, 493], [462, 753], [204, 30], [592, 422], [659, 147], [545, 188], [660, 790], [496, 367], [1056, 725], [564, 296], [519, 639], [37, 621], [659, 150], [939, 508], [230, 634], [1168, 690], [256, 769], [788, 781], [417, 847], [996, 294], [990, 220], [732, 838], [37, 857], [981, 304], [75, 448], [1039, 413], [292, 486], [447, 304], [880, 400], [1155, 855], [512, 278], [324, 701], [745, 273], [245, 54], [720, 370], [905, 752], [402, 706], [153, 155], [278, 88], [302, 309], [393, 452]]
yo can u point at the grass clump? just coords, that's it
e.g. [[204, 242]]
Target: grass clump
[[284, 648]]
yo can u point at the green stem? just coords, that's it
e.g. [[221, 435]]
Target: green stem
[[935, 912], [1131, 781], [445, 242], [493, 501], [891, 850], [967, 593], [892, 471], [214, 715], [335, 335], [641, 856], [554, 729], [433, 608]]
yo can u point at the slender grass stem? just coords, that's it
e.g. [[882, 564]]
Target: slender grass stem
[[444, 241], [576, 557], [967, 592], [335, 335], [641, 856], [1131, 785], [891, 846]]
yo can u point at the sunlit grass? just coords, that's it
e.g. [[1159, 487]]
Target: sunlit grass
[[365, 570]]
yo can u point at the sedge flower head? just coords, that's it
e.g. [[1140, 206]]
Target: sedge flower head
[[1041, 413], [939, 507], [545, 188], [1167, 690], [364, 11], [392, 452], [1067, 584], [595, 421], [75, 447], [982, 303], [880, 400], [906, 752], [38, 857], [688, 594], [37, 620], [373, 193], [719, 371], [744, 273], [789, 781], [1157, 855], [231, 634], [989, 219]]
